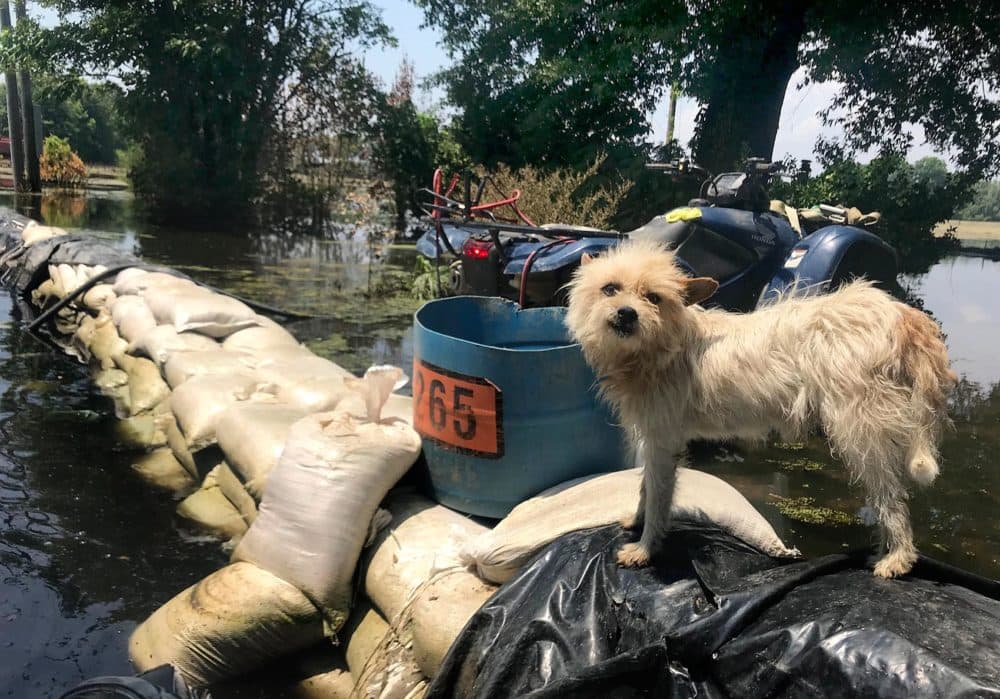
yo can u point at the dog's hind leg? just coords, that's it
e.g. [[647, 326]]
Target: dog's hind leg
[[658, 479], [896, 534]]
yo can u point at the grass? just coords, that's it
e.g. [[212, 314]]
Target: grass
[[971, 230]]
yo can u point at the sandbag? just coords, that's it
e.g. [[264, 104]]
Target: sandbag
[[106, 345], [596, 501], [252, 436], [342, 463], [160, 342], [415, 577], [200, 401], [44, 293], [210, 509], [200, 310], [99, 296], [147, 388], [390, 672], [135, 281], [142, 431], [181, 366], [234, 621], [235, 492], [159, 468], [361, 636], [267, 335], [132, 317], [37, 233], [323, 672], [304, 380]]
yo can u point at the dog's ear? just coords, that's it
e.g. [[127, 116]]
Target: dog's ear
[[698, 289], [586, 259]]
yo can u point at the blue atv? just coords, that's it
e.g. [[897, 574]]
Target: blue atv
[[754, 247]]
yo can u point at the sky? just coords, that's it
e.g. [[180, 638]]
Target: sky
[[799, 127]]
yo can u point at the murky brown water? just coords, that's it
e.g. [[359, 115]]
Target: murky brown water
[[87, 551]]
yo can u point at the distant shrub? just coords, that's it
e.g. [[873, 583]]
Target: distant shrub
[[563, 195], [60, 165]]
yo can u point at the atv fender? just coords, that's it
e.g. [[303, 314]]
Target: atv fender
[[831, 256]]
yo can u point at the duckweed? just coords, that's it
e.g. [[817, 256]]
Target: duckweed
[[805, 509]]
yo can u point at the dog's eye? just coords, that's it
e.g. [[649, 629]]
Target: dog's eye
[[653, 298], [610, 289]]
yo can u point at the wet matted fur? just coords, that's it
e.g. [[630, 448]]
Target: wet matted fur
[[870, 371]]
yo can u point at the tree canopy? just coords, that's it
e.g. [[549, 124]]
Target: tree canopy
[[554, 80], [206, 85]]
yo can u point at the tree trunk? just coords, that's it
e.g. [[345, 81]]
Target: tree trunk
[[28, 116], [13, 112], [748, 81]]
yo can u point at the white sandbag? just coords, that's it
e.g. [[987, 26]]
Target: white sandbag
[[160, 469], [390, 672], [142, 431], [147, 388], [135, 281], [200, 310], [325, 675], [415, 577], [37, 233], [132, 317], [267, 335], [45, 293], [106, 345], [178, 445], [211, 510], [304, 380], [252, 436], [342, 464], [160, 342], [605, 499], [200, 401], [235, 492], [362, 635], [83, 338], [99, 296], [109, 379], [236, 620], [181, 366]]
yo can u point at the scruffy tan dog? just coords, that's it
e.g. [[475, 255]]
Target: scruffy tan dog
[[871, 372]]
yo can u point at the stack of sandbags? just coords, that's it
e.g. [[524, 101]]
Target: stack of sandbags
[[596, 501], [414, 576], [324, 491]]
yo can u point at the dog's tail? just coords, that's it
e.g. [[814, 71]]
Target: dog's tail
[[923, 361]]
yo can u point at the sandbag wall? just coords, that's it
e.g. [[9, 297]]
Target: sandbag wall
[[217, 400]]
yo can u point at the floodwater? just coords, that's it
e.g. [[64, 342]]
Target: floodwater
[[87, 550]]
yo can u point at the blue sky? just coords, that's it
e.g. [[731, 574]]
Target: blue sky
[[800, 124]]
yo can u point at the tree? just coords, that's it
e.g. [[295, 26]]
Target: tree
[[551, 79], [205, 83], [410, 144], [984, 204]]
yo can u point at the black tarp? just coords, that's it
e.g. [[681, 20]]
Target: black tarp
[[720, 619]]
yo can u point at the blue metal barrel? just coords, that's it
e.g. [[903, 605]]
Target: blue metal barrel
[[505, 403]]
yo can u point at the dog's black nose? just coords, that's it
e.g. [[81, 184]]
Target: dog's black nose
[[625, 320]]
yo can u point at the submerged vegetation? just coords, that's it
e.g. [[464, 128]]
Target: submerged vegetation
[[805, 510]]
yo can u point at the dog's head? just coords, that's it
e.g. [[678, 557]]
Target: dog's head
[[631, 302]]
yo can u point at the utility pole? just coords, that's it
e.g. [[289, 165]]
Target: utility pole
[[28, 115], [13, 110]]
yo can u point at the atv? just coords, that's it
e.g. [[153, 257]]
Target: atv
[[754, 247]]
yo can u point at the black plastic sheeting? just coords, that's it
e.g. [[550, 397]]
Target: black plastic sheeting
[[720, 619], [159, 683]]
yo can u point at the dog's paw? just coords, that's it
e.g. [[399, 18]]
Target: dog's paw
[[895, 564], [630, 523], [633, 556]]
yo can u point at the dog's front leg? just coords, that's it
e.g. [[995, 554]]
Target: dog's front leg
[[636, 521], [656, 498]]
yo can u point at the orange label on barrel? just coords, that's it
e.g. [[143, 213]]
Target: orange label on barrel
[[456, 411]]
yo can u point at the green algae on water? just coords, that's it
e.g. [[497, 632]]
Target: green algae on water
[[805, 510]]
